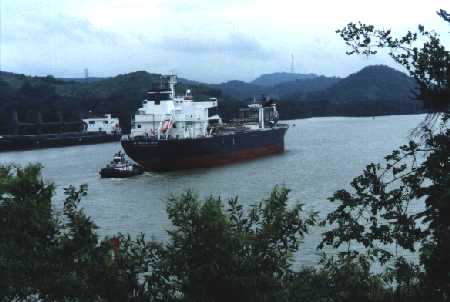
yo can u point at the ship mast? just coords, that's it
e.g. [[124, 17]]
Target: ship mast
[[172, 83], [292, 63]]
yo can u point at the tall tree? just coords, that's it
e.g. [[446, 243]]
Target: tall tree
[[218, 254], [406, 201], [45, 256]]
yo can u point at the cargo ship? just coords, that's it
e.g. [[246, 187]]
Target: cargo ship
[[92, 131], [172, 132]]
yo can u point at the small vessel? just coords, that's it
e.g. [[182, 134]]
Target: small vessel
[[120, 167], [172, 132]]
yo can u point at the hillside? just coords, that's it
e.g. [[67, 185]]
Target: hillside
[[372, 83], [272, 79], [373, 90], [244, 91], [239, 89], [302, 87], [120, 95], [81, 80]]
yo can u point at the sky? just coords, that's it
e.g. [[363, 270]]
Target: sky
[[205, 40]]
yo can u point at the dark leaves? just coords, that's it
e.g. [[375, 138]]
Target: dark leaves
[[218, 254], [426, 59]]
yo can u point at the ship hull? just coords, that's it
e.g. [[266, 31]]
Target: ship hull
[[168, 155]]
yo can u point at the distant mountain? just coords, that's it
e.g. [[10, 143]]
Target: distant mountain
[[272, 79], [134, 83], [374, 90], [81, 80], [189, 82], [239, 89], [372, 83], [301, 87], [243, 90]]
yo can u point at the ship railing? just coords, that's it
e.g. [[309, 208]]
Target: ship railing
[[139, 138]]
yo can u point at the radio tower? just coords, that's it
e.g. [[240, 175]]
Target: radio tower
[[86, 73], [292, 63]]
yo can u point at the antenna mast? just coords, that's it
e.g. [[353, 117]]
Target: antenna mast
[[292, 63]]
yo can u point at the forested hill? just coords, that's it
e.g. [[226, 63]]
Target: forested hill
[[373, 90], [134, 83], [120, 95], [376, 82], [243, 90], [372, 83], [239, 89], [272, 79]]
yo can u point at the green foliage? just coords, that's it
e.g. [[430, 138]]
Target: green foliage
[[215, 252], [272, 79], [220, 251], [5, 91], [27, 228], [227, 254], [49, 257], [338, 280], [422, 53], [405, 202], [402, 204]]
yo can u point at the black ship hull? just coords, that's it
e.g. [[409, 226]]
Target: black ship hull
[[29, 142], [167, 155]]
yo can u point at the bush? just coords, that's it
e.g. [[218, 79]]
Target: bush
[[227, 254]]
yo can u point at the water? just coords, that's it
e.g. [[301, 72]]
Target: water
[[322, 155]]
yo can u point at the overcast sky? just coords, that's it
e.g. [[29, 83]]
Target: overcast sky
[[205, 40]]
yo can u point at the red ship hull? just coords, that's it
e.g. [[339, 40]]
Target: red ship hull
[[169, 155]]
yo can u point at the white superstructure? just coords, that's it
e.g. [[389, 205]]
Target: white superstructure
[[166, 116], [107, 124]]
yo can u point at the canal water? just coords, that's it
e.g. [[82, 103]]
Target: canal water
[[322, 155]]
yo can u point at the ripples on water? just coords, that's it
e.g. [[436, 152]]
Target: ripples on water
[[322, 155]]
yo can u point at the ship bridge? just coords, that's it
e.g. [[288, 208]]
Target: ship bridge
[[164, 115]]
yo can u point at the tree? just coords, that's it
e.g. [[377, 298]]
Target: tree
[[218, 254], [376, 214], [214, 252], [26, 228], [421, 53], [45, 256]]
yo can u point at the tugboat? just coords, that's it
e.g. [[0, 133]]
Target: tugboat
[[174, 132], [120, 167]]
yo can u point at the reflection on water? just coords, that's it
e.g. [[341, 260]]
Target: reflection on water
[[323, 155]]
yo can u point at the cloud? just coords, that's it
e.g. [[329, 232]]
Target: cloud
[[60, 28], [203, 39], [235, 44]]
